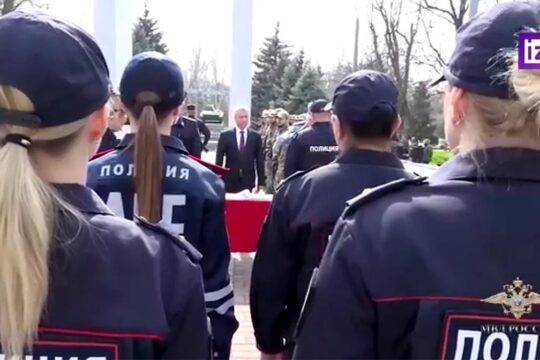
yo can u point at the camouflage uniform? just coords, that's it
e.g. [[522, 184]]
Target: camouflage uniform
[[279, 153], [268, 167]]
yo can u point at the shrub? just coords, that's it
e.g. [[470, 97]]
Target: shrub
[[440, 156]]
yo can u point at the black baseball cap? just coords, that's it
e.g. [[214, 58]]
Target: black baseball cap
[[56, 64], [318, 106], [154, 72], [480, 59], [190, 107], [361, 92]]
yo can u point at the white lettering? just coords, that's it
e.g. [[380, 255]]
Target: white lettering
[[131, 170], [184, 174], [171, 171], [115, 203], [460, 347], [105, 170], [118, 169], [533, 346], [169, 202], [323, 149], [488, 346]]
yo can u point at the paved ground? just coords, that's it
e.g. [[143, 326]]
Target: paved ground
[[243, 342]]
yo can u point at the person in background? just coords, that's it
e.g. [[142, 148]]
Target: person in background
[[269, 140], [257, 124], [280, 147], [117, 119], [240, 148], [75, 279], [313, 146], [428, 151], [265, 124], [151, 175], [421, 269], [303, 214], [204, 131], [187, 130]]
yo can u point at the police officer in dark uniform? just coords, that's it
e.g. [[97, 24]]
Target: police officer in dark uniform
[[187, 130], [447, 267], [78, 282], [301, 218], [150, 174], [203, 129], [313, 146], [117, 119]]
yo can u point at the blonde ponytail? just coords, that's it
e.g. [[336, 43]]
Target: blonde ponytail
[[26, 224], [28, 207]]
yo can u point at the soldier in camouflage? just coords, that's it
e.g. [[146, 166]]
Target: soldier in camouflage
[[269, 139], [280, 148]]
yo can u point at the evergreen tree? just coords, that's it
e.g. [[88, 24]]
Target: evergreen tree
[[270, 67], [293, 73], [146, 35], [420, 124], [308, 88]]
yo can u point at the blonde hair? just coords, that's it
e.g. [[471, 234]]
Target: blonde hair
[[517, 117], [28, 208]]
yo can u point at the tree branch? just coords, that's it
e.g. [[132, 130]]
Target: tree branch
[[438, 56]]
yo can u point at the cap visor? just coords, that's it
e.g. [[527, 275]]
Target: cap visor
[[329, 107], [436, 81]]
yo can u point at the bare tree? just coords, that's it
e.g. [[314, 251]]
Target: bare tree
[[220, 92], [197, 70], [453, 12], [7, 6], [399, 41]]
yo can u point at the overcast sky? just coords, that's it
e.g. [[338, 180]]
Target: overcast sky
[[323, 28]]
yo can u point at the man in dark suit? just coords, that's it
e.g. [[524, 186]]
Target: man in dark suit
[[242, 148]]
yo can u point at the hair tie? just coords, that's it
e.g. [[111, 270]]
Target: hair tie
[[18, 139], [148, 103]]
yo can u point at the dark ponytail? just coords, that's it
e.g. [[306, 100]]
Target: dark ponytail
[[148, 159]]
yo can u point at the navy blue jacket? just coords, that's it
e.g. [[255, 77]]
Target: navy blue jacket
[[429, 269], [120, 290], [194, 206], [109, 141], [295, 234], [312, 146], [187, 130]]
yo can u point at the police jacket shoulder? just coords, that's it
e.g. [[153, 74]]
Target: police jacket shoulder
[[139, 280], [177, 240], [295, 177], [370, 195]]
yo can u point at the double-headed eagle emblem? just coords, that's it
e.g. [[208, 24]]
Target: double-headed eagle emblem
[[516, 299]]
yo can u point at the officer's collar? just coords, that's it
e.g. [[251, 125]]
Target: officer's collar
[[321, 123], [180, 122], [369, 157], [168, 142], [82, 198], [494, 163]]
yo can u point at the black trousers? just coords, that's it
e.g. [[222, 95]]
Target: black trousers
[[236, 184]]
